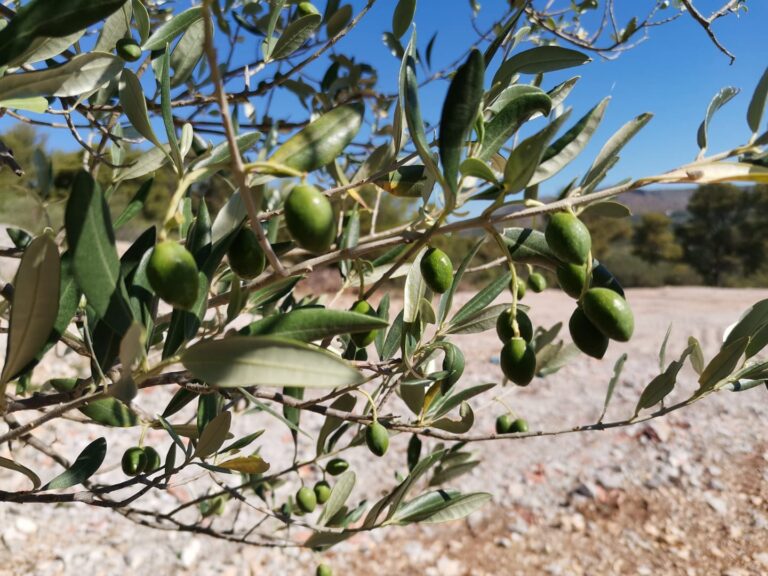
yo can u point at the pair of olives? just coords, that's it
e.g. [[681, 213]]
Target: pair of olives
[[138, 460]]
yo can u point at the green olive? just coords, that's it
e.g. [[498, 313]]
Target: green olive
[[537, 282], [134, 461], [437, 270], [572, 278], [518, 361], [322, 491], [503, 424], [363, 339], [453, 363], [310, 219], [306, 499], [336, 466], [246, 258], [519, 425], [323, 570], [609, 312], [568, 238], [172, 273], [153, 459], [586, 336], [307, 9], [128, 49], [377, 439], [504, 326]]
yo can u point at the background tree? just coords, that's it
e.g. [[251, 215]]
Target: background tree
[[654, 239]]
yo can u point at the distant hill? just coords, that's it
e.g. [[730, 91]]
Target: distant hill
[[667, 200]]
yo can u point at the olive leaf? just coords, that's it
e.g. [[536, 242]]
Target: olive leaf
[[85, 466], [402, 17], [720, 99], [539, 60], [483, 298], [50, 18], [83, 73], [246, 465], [116, 27], [566, 148], [188, 53], [617, 369], [439, 506], [213, 435], [757, 104], [722, 365], [35, 305], [414, 290], [135, 106], [43, 48], [339, 495], [309, 324], [266, 361], [16, 467], [338, 20], [661, 386], [322, 140], [294, 35], [171, 29], [460, 110], [517, 105]]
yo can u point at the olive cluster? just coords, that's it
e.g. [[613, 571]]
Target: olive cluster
[[140, 460]]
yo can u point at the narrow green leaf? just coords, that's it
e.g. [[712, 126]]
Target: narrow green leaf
[[149, 161], [446, 301], [529, 246], [85, 466], [525, 158], [115, 27], [614, 145], [697, 356], [414, 289], [607, 209], [755, 317], [294, 35], [167, 112], [402, 17], [757, 104], [242, 442], [460, 108], [336, 23], [564, 150], [309, 324], [267, 361], [82, 74], [539, 60], [94, 255], [344, 403], [661, 386], [478, 169], [135, 206], [141, 16], [480, 321], [339, 495], [135, 106], [187, 53], [43, 48], [483, 298], [444, 509], [51, 18], [35, 305], [36, 104], [463, 424], [171, 29], [617, 369], [517, 110], [724, 96], [16, 467], [213, 436], [722, 365], [409, 102]]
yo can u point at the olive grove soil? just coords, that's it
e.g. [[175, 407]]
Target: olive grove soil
[[683, 495]]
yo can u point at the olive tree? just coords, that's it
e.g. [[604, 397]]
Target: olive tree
[[163, 315]]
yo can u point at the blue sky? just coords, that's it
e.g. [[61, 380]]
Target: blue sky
[[674, 75]]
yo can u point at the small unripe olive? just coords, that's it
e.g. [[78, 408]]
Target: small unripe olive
[[153, 459], [172, 273], [246, 258], [568, 238], [572, 278], [322, 491], [306, 499], [518, 361], [323, 570], [134, 461], [377, 439], [609, 312], [537, 282], [504, 326], [519, 425], [453, 363], [437, 270], [128, 49], [503, 424], [336, 466], [363, 339]]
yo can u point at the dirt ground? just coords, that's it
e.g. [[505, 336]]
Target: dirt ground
[[682, 495]]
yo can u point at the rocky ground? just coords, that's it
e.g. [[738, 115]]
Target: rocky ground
[[687, 494]]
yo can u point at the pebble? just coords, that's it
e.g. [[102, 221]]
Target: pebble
[[717, 504], [190, 552]]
